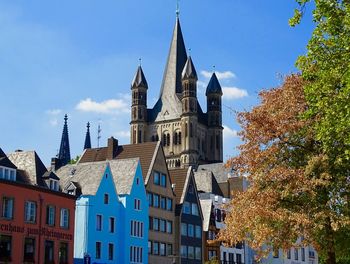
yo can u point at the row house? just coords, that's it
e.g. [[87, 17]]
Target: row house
[[111, 211], [189, 218], [160, 195], [37, 218]]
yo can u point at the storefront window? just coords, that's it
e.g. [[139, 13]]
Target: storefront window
[[29, 250], [5, 248], [63, 253], [49, 249]]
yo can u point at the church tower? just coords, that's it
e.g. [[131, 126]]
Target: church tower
[[87, 143], [189, 119], [189, 136], [214, 110], [138, 122]]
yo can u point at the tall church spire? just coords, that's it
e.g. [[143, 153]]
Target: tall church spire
[[64, 154], [176, 61], [87, 144]]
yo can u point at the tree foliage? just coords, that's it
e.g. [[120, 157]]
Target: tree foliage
[[296, 150]]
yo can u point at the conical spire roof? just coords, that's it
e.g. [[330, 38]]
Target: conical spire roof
[[176, 61], [189, 71], [64, 153], [139, 79], [214, 86], [87, 144]]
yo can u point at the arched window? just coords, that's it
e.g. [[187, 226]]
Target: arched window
[[168, 139], [179, 138], [175, 138], [153, 138], [164, 139], [157, 137], [191, 130]]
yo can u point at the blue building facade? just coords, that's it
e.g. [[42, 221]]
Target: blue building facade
[[111, 224]]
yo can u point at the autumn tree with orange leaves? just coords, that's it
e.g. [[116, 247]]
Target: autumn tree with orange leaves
[[293, 190]]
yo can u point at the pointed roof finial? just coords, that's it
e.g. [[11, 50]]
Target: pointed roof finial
[[177, 8], [87, 143], [189, 51], [140, 62]]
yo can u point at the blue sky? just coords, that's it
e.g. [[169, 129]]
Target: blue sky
[[79, 57]]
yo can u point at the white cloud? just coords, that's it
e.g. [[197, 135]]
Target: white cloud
[[229, 133], [53, 122], [105, 107], [220, 75], [122, 134], [54, 112], [233, 93]]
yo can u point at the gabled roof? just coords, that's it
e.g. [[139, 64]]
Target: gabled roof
[[214, 86], [50, 175], [31, 167], [206, 206], [219, 171], [206, 182], [88, 175], [189, 71], [5, 162], [139, 79], [145, 151], [180, 178]]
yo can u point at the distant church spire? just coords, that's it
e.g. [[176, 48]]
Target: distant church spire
[[176, 61], [87, 143], [64, 153]]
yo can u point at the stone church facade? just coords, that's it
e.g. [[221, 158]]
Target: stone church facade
[[189, 136]]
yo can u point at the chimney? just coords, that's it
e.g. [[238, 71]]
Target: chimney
[[54, 164], [112, 147]]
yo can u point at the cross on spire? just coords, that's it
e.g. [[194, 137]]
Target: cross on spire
[[87, 143], [177, 8]]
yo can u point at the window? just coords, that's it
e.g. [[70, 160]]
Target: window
[[190, 252], [169, 249], [137, 181], [288, 253], [156, 200], [238, 258], [111, 224], [195, 209], [162, 225], [169, 204], [155, 248], [63, 253], [53, 185], [29, 250], [98, 222], [106, 198], [191, 130], [167, 139], [64, 221], [110, 251], [7, 207], [162, 249], [137, 204], [198, 231], [302, 254], [212, 254], [198, 253], [163, 180], [296, 254], [149, 247], [186, 208], [135, 254], [150, 199], [231, 258], [211, 235], [183, 229], [156, 178], [183, 251], [163, 203], [169, 227], [190, 230], [136, 228], [50, 215], [49, 251], [156, 224], [190, 189], [275, 253], [1, 173], [30, 212], [98, 250]]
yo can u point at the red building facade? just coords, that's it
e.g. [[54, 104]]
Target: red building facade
[[36, 224]]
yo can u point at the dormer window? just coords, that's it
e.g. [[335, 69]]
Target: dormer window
[[7, 174], [53, 185]]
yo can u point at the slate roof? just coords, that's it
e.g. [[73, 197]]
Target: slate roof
[[219, 171], [4, 161], [206, 206], [206, 182], [214, 86], [139, 79], [189, 71], [145, 151], [88, 175], [31, 168]]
